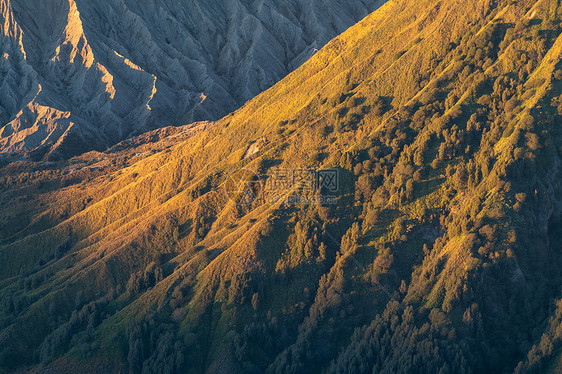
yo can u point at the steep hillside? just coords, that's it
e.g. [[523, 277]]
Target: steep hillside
[[438, 252], [79, 75]]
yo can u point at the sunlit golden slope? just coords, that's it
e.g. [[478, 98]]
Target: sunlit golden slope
[[442, 118]]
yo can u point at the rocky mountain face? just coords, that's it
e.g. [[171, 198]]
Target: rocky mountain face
[[78, 75]]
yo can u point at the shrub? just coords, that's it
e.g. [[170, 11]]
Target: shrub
[[372, 217], [316, 157], [324, 130], [510, 105], [528, 122]]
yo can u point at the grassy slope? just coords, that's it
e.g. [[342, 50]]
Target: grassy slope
[[167, 206]]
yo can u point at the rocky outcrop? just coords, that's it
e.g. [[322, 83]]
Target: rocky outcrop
[[78, 75]]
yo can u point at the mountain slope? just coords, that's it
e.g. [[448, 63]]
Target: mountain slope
[[440, 254], [82, 75]]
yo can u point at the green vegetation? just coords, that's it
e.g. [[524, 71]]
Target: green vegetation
[[442, 254]]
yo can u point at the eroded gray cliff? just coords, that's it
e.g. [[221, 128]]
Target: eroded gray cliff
[[77, 75]]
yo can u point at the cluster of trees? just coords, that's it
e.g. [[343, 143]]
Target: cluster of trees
[[350, 110], [396, 343], [544, 354], [154, 347], [303, 246], [141, 281], [78, 330], [446, 143]]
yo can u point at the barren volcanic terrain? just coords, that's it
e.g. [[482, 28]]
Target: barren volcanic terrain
[[78, 75]]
